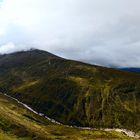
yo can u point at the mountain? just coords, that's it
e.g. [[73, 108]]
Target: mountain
[[131, 69], [72, 92]]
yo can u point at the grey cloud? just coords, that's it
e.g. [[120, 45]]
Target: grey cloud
[[94, 31]]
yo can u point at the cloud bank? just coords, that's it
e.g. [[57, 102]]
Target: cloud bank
[[95, 31]]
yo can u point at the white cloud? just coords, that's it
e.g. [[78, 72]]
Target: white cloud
[[9, 47], [95, 31]]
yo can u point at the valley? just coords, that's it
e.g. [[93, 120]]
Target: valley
[[18, 123]]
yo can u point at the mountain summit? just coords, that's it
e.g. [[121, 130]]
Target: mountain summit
[[72, 92]]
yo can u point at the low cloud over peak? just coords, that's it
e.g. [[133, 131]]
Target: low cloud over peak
[[95, 31]]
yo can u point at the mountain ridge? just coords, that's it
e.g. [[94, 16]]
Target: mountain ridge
[[131, 69]]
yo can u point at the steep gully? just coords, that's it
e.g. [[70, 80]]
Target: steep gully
[[124, 131]]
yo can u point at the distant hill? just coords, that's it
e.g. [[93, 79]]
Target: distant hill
[[72, 92], [131, 69]]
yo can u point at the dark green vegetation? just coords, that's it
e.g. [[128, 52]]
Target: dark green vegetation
[[72, 92], [17, 123]]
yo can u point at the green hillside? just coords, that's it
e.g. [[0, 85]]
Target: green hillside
[[17, 123], [72, 92]]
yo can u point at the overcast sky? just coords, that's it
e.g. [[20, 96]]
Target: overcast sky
[[103, 32]]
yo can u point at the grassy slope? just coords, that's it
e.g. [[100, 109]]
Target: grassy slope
[[17, 123], [72, 92]]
